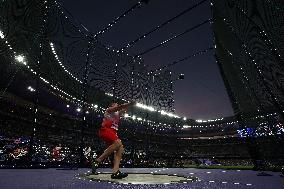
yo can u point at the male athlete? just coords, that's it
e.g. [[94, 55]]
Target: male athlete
[[108, 133]]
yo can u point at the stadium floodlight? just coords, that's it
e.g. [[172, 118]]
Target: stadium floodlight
[[163, 112], [151, 109], [67, 105], [181, 77], [184, 118], [170, 115], [31, 89], [201, 121], [95, 106], [78, 109], [109, 94], [20, 59], [2, 36], [139, 105]]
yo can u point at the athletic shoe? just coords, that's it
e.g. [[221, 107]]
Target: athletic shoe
[[119, 175], [95, 165]]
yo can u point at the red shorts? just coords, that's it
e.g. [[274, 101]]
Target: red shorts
[[108, 135]]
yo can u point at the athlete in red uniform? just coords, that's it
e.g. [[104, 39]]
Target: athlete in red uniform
[[108, 133]]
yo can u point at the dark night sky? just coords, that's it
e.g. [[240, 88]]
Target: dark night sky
[[201, 95]]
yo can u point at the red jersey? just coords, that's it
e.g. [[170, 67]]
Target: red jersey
[[111, 120]]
